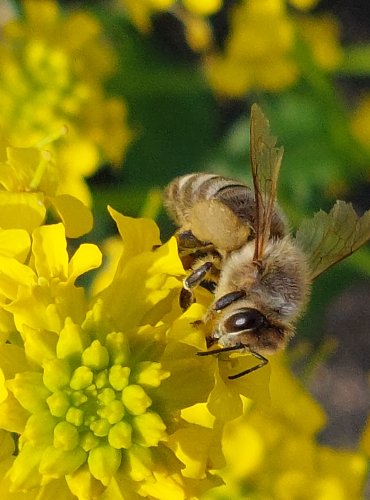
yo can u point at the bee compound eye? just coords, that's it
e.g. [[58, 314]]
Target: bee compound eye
[[246, 319]]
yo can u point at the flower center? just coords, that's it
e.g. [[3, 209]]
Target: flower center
[[104, 401]]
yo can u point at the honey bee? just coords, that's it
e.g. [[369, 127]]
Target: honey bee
[[236, 242]]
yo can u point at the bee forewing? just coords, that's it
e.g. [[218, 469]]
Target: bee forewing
[[265, 162]]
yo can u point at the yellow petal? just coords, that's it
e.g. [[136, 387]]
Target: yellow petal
[[39, 345], [192, 446], [167, 259], [128, 304], [164, 487], [86, 257], [83, 484], [39, 429], [15, 243], [12, 360], [76, 216], [224, 400], [56, 462], [242, 440], [50, 251], [138, 235], [24, 472], [30, 391], [21, 210], [33, 309], [195, 376], [183, 328], [13, 416], [13, 274], [289, 397]]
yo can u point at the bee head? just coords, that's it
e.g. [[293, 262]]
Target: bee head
[[241, 321]]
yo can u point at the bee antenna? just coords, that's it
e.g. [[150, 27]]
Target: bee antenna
[[228, 299]]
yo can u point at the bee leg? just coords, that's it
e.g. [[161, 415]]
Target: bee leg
[[193, 280], [238, 347], [191, 249], [187, 241]]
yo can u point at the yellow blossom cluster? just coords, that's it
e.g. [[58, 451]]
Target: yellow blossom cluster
[[103, 389], [271, 452], [260, 50], [101, 393], [91, 385], [53, 67], [192, 13]]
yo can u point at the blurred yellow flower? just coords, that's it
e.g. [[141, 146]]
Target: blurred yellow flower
[[322, 33], [360, 122], [192, 13], [53, 70], [259, 52], [272, 453], [304, 4], [204, 8]]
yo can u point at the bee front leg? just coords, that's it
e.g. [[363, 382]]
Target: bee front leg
[[192, 281]]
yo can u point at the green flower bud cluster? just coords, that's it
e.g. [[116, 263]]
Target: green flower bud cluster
[[102, 406]]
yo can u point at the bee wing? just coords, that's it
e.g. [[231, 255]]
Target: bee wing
[[328, 238], [265, 161]]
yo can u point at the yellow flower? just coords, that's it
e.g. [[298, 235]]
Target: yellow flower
[[281, 457], [29, 182], [141, 10], [95, 387], [53, 70], [260, 49]]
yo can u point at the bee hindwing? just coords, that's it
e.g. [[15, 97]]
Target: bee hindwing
[[328, 238]]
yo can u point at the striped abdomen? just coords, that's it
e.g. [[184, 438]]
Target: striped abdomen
[[184, 192]]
